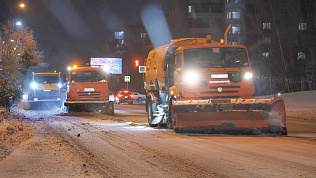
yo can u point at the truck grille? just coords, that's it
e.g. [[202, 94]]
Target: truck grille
[[48, 94], [224, 89], [88, 96]]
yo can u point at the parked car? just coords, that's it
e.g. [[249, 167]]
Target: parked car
[[139, 97], [124, 97]]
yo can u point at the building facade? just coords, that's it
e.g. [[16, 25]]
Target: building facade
[[280, 36]]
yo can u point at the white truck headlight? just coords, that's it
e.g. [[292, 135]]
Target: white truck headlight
[[59, 85], [248, 75], [191, 78], [33, 85]]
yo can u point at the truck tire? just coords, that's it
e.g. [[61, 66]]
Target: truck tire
[[150, 116], [109, 108], [171, 122]]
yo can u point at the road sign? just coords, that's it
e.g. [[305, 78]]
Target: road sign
[[142, 69], [127, 78], [116, 66]]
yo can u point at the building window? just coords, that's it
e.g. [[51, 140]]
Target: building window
[[143, 35], [302, 26], [235, 43], [267, 40], [235, 30], [228, 1], [236, 1], [119, 35], [285, 11], [189, 9], [266, 25], [233, 15], [301, 55], [212, 24], [212, 8], [265, 54]]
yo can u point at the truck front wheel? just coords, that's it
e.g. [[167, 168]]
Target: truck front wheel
[[109, 108]]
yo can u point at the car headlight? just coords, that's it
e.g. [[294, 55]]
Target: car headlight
[[33, 85], [191, 78], [59, 85], [248, 75]]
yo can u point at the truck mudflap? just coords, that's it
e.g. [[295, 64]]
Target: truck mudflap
[[231, 116], [105, 107]]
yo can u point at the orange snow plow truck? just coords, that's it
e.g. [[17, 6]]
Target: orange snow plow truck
[[88, 91], [200, 85]]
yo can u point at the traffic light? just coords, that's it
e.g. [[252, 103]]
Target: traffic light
[[136, 63]]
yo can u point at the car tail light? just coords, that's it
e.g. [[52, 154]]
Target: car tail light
[[120, 96], [131, 96]]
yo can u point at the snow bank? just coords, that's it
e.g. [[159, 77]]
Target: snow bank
[[298, 101]]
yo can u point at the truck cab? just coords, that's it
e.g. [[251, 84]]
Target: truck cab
[[88, 90]]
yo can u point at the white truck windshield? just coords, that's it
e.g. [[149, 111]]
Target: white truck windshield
[[46, 79]]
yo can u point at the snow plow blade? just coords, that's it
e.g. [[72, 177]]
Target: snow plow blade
[[230, 116]]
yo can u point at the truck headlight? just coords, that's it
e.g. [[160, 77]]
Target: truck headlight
[[248, 75], [33, 85], [191, 78]]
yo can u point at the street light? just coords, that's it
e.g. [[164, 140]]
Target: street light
[[22, 5], [18, 23]]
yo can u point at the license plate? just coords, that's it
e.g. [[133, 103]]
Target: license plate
[[126, 97], [219, 76]]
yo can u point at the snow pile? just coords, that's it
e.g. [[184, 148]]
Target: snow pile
[[298, 101]]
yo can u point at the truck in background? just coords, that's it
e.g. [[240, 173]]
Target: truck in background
[[88, 90], [46, 89], [200, 85]]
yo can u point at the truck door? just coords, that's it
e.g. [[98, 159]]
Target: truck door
[[177, 71]]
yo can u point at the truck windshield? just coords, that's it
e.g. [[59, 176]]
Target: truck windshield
[[216, 57], [88, 76], [43, 79]]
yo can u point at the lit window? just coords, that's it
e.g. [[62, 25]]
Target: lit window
[[235, 43], [266, 25], [235, 30], [302, 26], [189, 9], [143, 35], [236, 1], [265, 54], [233, 15], [228, 15], [119, 35], [300, 55], [267, 40], [228, 1]]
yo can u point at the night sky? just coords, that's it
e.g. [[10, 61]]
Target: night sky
[[69, 30]]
